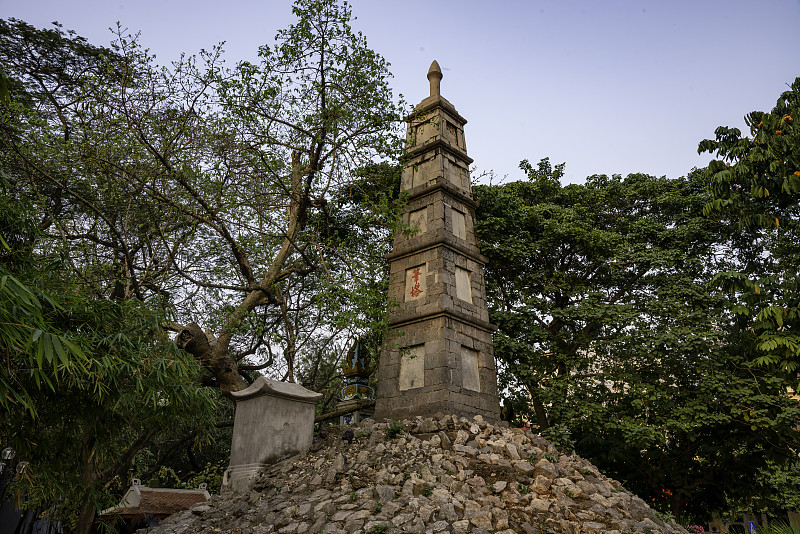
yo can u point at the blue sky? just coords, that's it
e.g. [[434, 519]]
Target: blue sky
[[609, 87]]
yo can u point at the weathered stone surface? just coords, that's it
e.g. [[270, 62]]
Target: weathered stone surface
[[408, 485], [524, 467], [273, 420], [546, 469], [446, 363]]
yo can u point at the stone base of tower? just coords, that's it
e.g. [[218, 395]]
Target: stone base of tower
[[438, 365]]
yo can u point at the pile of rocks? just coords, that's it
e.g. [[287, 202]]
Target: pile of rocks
[[453, 475]]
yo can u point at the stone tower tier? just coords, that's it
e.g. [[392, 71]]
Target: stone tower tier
[[438, 358]]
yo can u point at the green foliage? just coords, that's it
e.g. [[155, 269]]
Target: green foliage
[[86, 381], [360, 224], [211, 475], [755, 186], [756, 183], [779, 527], [560, 435], [5, 96], [775, 487], [256, 200], [165, 477], [84, 422], [756, 177], [35, 348], [226, 195], [665, 516], [394, 429], [617, 340]]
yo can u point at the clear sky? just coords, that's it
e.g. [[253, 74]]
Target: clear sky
[[608, 86]]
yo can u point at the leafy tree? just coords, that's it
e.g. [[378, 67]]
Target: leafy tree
[[206, 187], [756, 183], [611, 334], [86, 382], [169, 198], [755, 188]]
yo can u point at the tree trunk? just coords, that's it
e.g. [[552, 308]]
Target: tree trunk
[[677, 504], [85, 519], [217, 358], [193, 340], [89, 477], [538, 408], [333, 415]]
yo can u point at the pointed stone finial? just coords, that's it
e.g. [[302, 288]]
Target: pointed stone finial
[[435, 77]]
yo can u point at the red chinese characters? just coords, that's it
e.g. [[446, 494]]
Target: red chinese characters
[[415, 289]]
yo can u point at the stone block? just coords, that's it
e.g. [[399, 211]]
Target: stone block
[[273, 420], [412, 368]]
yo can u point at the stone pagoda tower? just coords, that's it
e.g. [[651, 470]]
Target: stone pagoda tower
[[438, 358]]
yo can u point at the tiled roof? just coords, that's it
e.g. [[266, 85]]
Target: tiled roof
[[159, 502]]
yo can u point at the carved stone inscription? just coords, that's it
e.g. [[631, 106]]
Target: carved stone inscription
[[471, 377], [452, 133], [412, 368], [416, 285], [422, 132]]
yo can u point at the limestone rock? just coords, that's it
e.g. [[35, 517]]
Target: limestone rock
[[409, 484]]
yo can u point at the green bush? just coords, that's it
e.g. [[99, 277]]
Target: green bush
[[394, 429]]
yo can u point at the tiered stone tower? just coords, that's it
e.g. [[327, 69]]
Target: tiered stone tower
[[439, 358]]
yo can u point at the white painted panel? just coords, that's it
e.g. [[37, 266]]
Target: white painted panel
[[459, 224]]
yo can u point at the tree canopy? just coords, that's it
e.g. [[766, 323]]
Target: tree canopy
[[755, 183], [87, 382], [204, 188], [615, 337], [215, 202]]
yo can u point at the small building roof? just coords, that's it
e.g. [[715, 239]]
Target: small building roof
[[159, 502]]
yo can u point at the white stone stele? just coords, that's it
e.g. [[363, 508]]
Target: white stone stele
[[273, 420]]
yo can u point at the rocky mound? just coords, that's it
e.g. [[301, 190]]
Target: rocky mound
[[451, 475]]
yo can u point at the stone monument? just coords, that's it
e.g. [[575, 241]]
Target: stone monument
[[438, 358], [273, 420]]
